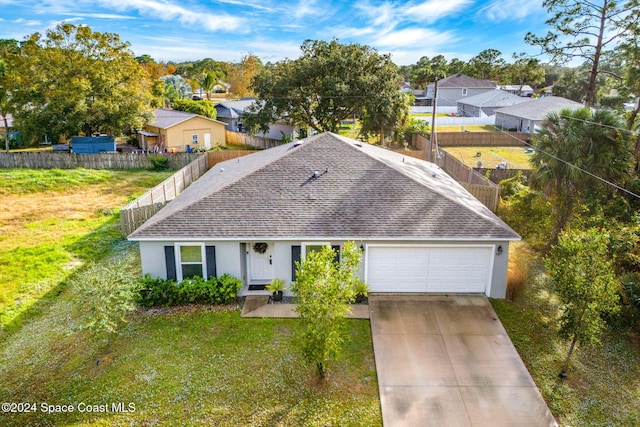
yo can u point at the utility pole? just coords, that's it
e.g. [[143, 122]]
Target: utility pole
[[433, 135]]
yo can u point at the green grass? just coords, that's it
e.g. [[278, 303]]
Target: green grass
[[51, 221], [603, 383], [515, 157]]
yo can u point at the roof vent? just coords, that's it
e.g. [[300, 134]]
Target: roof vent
[[221, 169], [297, 143], [316, 174]]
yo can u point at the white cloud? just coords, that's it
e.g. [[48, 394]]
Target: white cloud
[[165, 10], [503, 10], [102, 16], [413, 37], [27, 22], [432, 10]]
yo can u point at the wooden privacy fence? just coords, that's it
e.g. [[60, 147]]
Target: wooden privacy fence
[[475, 183], [239, 138], [220, 156], [482, 139], [51, 160], [497, 175], [144, 207]]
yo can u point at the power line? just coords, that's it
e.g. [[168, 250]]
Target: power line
[[613, 184]]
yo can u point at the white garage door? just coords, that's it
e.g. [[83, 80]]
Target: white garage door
[[429, 269]]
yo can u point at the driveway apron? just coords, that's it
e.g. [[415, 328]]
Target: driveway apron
[[447, 361]]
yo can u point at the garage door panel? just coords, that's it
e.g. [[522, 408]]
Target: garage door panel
[[429, 269], [404, 267], [459, 269]]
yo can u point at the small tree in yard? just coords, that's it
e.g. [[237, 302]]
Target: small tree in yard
[[106, 295], [324, 287], [586, 284]]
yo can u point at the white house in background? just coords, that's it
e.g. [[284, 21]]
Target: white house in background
[[256, 216], [520, 90], [455, 87], [528, 116], [486, 103], [232, 112]]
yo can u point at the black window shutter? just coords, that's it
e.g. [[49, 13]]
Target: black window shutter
[[295, 257], [170, 262], [336, 249], [211, 261]]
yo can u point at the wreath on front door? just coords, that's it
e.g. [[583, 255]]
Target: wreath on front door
[[260, 247]]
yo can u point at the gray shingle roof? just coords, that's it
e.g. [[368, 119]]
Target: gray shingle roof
[[367, 192], [165, 118], [493, 98], [462, 80], [537, 109]]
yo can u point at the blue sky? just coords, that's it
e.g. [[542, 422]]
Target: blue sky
[[225, 30]]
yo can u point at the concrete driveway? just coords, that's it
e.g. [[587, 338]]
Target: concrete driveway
[[447, 361]]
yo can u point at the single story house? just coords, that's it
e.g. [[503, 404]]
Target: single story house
[[528, 116], [456, 87], [486, 103], [256, 216], [176, 131], [232, 112], [520, 90]]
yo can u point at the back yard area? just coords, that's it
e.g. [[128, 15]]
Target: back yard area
[[514, 157]]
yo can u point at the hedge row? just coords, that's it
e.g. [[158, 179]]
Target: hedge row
[[196, 290]]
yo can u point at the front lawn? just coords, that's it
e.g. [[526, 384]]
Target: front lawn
[[184, 366]]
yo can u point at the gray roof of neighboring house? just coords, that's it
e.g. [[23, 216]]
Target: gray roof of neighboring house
[[361, 192], [233, 109], [493, 98], [165, 118], [463, 81], [537, 109], [521, 88]]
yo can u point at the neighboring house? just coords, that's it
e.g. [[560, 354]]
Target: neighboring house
[[456, 87], [256, 216], [520, 90], [485, 104], [528, 116], [176, 131], [232, 112]]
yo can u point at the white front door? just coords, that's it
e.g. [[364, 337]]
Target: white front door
[[207, 141], [260, 262]]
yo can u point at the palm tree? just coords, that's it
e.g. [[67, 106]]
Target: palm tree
[[573, 149], [207, 82]]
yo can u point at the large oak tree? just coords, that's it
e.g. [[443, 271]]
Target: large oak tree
[[74, 80], [329, 83]]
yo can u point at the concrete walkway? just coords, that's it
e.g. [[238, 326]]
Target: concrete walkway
[[259, 306], [447, 361]]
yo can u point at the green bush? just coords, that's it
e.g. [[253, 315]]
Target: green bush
[[195, 290], [158, 162]]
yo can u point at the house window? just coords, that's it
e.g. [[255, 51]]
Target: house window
[[464, 91], [194, 138], [307, 248], [190, 261]]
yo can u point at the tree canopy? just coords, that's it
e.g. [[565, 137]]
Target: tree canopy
[[572, 142], [74, 80], [329, 83], [586, 30]]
